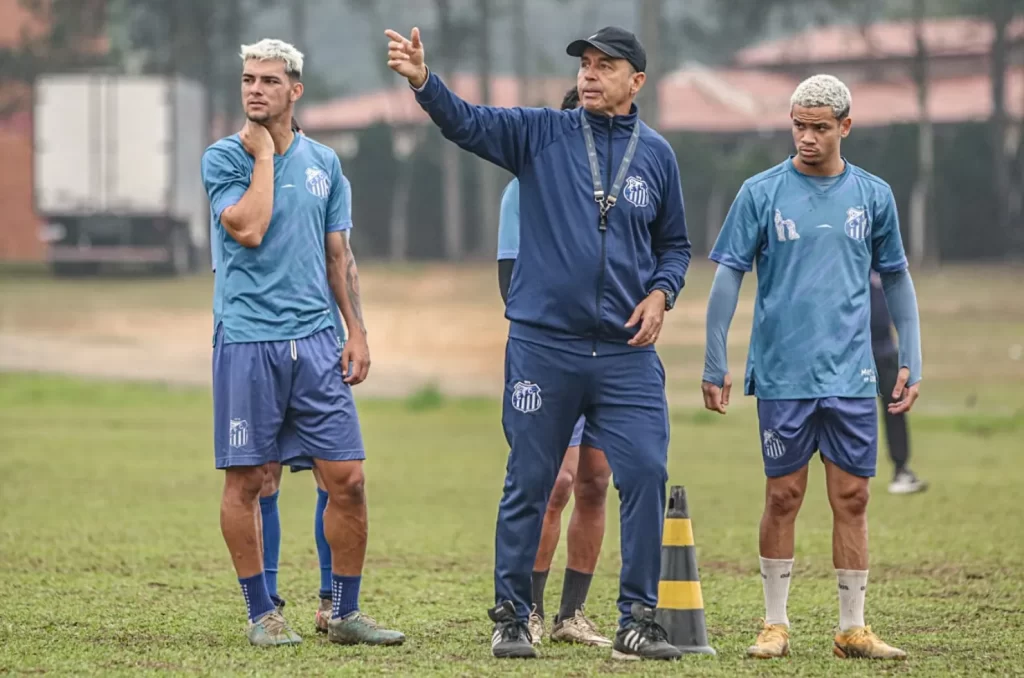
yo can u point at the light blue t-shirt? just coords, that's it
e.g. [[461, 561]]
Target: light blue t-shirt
[[339, 326], [508, 222], [815, 246], [277, 291]]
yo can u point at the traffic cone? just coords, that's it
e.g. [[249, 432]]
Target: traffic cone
[[680, 602]]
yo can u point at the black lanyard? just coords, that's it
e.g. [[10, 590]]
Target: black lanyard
[[605, 203]]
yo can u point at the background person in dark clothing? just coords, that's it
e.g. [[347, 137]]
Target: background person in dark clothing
[[887, 363]]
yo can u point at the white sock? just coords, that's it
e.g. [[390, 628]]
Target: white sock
[[852, 585], [775, 575]]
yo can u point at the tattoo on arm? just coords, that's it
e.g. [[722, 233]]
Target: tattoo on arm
[[352, 284]]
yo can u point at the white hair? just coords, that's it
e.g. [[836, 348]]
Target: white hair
[[823, 90], [270, 49]]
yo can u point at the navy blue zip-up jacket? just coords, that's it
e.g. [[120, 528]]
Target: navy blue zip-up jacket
[[574, 285]]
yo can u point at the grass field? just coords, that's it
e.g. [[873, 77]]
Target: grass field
[[111, 559]]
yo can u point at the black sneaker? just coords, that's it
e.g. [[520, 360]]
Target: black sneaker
[[511, 637], [643, 638]]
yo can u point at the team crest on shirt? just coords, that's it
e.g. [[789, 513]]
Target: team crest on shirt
[[773, 447], [785, 229], [317, 182], [526, 397], [635, 191], [238, 433], [857, 222]]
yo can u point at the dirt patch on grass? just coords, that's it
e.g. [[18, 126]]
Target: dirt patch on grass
[[434, 325]]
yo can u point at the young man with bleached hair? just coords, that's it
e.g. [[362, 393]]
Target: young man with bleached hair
[[281, 380], [817, 226]]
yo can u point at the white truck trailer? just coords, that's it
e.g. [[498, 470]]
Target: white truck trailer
[[117, 171]]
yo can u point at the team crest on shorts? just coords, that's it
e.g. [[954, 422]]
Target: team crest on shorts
[[317, 182], [857, 222], [526, 396], [773, 447], [238, 433], [635, 191]]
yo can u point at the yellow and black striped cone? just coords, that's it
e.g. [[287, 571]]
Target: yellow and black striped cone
[[680, 602]]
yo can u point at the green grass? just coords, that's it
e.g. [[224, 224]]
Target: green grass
[[111, 559]]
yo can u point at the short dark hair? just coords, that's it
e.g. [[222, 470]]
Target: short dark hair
[[571, 99], [295, 125]]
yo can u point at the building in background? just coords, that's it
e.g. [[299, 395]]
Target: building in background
[[27, 46]]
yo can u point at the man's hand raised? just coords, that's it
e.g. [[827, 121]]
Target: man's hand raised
[[405, 57]]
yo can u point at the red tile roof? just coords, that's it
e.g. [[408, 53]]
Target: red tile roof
[[735, 100], [699, 99], [398, 106], [830, 44], [745, 98]]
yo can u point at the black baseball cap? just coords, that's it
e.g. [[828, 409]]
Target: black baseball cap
[[618, 43]]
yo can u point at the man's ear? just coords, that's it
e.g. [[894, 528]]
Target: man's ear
[[844, 127], [638, 82]]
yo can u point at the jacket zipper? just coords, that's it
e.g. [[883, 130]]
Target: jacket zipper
[[603, 228]]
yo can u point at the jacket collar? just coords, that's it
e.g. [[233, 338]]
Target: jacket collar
[[600, 121]]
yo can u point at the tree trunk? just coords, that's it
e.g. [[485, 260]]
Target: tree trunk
[[487, 173], [297, 15], [522, 53], [920, 198], [450, 166], [999, 13], [404, 147], [718, 207], [649, 21]]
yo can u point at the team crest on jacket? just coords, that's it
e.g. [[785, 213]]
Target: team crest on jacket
[[317, 182], [526, 396], [857, 222], [635, 191]]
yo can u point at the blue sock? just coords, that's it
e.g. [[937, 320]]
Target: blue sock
[[323, 549], [271, 541], [257, 599], [344, 595]]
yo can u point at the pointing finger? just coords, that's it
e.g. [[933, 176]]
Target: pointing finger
[[394, 35]]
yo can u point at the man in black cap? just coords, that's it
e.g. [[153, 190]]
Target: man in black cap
[[603, 253]]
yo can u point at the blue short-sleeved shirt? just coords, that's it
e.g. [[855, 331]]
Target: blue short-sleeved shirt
[[815, 244], [508, 222], [277, 291]]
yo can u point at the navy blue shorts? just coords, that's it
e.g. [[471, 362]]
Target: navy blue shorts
[[845, 430], [282, 401]]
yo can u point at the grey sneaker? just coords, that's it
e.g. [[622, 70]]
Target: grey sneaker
[[536, 626], [643, 638], [511, 637], [359, 629], [272, 629], [578, 629], [905, 482]]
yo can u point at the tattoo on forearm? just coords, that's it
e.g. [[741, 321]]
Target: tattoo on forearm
[[352, 285]]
